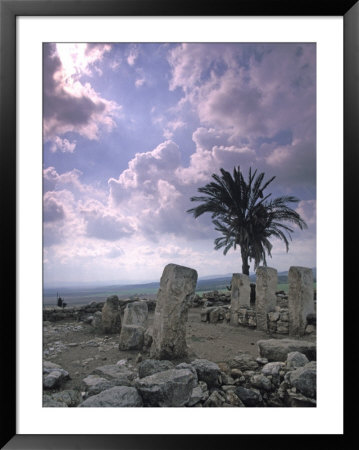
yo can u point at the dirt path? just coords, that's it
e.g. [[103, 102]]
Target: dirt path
[[77, 349]]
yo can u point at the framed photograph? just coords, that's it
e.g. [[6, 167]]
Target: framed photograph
[[115, 117]]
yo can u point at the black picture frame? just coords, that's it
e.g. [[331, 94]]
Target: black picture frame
[[9, 10]]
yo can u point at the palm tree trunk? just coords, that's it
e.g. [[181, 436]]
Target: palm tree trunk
[[245, 265]]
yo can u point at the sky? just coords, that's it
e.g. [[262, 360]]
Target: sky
[[131, 131]]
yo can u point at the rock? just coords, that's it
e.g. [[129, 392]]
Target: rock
[[49, 366], [118, 396], [147, 338], [168, 388], [216, 399], [54, 378], [310, 329], [250, 397], [96, 322], [297, 400], [111, 316], [274, 316], [273, 370], [207, 371], [189, 367], [94, 384], [49, 402], [150, 366], [199, 393], [261, 382], [177, 287], [236, 373], [114, 371], [295, 360], [278, 349], [67, 398], [136, 313], [304, 379], [243, 361], [131, 337], [233, 399]]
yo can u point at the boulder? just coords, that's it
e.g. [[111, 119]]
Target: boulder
[[67, 398], [114, 371], [261, 382], [250, 397], [304, 379], [118, 396], [131, 337], [278, 349], [150, 366], [53, 375], [136, 313], [168, 388], [295, 360], [207, 371], [94, 384]]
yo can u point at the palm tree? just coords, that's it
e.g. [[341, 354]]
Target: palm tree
[[244, 215]]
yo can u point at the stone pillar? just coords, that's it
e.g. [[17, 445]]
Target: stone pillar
[[267, 282], [111, 315], [133, 331], [300, 298], [240, 295], [177, 287]]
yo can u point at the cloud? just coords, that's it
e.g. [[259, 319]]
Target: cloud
[[62, 145], [53, 209], [69, 104], [101, 223], [133, 55], [249, 91]]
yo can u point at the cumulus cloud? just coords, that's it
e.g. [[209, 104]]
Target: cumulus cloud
[[101, 223], [62, 145], [69, 104], [248, 98], [53, 209]]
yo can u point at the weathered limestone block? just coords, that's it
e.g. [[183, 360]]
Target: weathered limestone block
[[115, 397], [111, 316], [136, 313], [300, 298], [240, 295], [177, 287], [266, 299], [131, 337]]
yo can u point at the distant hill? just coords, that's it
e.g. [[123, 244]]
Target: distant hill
[[82, 295]]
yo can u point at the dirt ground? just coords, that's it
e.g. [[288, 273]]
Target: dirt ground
[[77, 349]]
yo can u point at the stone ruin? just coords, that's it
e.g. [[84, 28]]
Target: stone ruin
[[284, 374], [275, 312]]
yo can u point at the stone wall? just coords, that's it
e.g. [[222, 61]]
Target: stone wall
[[272, 312], [82, 312]]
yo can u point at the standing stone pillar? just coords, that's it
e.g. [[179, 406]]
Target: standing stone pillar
[[133, 331], [266, 299], [300, 298], [177, 287], [240, 295], [111, 315]]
